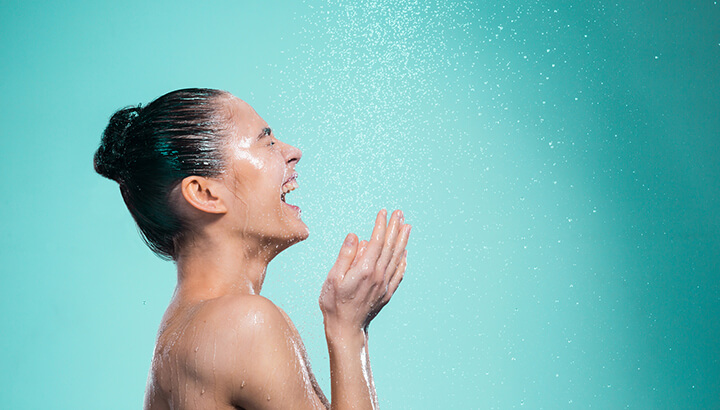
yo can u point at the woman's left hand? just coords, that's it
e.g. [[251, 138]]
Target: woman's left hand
[[365, 275]]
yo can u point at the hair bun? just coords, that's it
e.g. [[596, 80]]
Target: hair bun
[[110, 160]]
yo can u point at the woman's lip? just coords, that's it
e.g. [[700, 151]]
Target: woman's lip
[[296, 208], [293, 176]]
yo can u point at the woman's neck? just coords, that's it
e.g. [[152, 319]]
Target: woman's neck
[[213, 266]]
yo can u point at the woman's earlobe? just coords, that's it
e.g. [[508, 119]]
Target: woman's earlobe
[[203, 194]]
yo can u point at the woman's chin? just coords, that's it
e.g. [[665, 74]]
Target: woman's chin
[[302, 233], [298, 232]]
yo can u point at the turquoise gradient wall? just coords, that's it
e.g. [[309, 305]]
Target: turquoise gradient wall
[[558, 160]]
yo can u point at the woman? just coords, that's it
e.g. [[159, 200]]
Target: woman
[[205, 179]]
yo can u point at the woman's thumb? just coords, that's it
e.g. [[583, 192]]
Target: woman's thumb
[[346, 256]]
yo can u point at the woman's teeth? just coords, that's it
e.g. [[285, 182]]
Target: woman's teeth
[[288, 187]]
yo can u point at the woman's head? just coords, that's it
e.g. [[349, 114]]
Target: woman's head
[[259, 170], [159, 153]]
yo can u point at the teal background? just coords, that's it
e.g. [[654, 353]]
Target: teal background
[[558, 160]]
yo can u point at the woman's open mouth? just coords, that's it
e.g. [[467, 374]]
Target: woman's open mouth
[[289, 186]]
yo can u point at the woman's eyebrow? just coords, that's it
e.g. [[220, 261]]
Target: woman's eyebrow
[[265, 132]]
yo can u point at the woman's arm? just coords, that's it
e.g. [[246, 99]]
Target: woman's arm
[[362, 281], [254, 354]]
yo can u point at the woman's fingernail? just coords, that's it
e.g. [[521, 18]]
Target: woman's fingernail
[[349, 240]]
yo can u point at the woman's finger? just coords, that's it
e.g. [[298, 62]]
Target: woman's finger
[[397, 278], [402, 240], [396, 222], [376, 239], [362, 247], [346, 256]]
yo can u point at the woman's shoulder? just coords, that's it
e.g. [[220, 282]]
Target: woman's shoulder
[[236, 326], [233, 321], [237, 322], [243, 310], [242, 346]]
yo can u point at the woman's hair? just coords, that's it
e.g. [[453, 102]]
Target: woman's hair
[[149, 150]]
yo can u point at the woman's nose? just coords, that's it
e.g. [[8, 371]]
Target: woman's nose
[[293, 153]]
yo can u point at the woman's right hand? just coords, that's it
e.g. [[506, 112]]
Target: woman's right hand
[[365, 275]]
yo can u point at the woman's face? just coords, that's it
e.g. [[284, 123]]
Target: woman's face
[[260, 169]]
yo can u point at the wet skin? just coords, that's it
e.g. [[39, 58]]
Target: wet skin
[[223, 346]]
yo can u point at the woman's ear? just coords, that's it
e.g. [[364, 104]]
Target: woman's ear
[[203, 194]]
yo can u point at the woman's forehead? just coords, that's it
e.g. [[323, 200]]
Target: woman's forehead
[[244, 122]]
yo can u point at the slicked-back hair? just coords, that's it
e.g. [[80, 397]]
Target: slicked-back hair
[[149, 150]]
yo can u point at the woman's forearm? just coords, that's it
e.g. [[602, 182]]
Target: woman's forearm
[[369, 371], [351, 382], [361, 282]]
